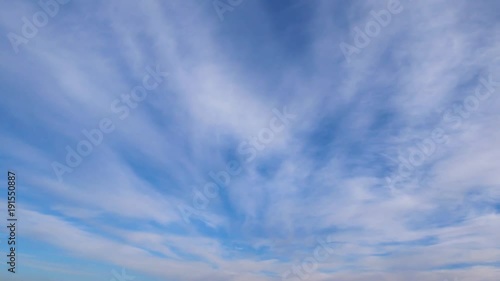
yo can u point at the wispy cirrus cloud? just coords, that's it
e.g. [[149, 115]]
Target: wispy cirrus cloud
[[323, 176]]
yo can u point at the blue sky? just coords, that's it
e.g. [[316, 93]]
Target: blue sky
[[252, 140]]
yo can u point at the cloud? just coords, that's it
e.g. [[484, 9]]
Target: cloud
[[323, 176]]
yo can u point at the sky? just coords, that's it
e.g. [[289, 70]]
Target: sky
[[242, 140]]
